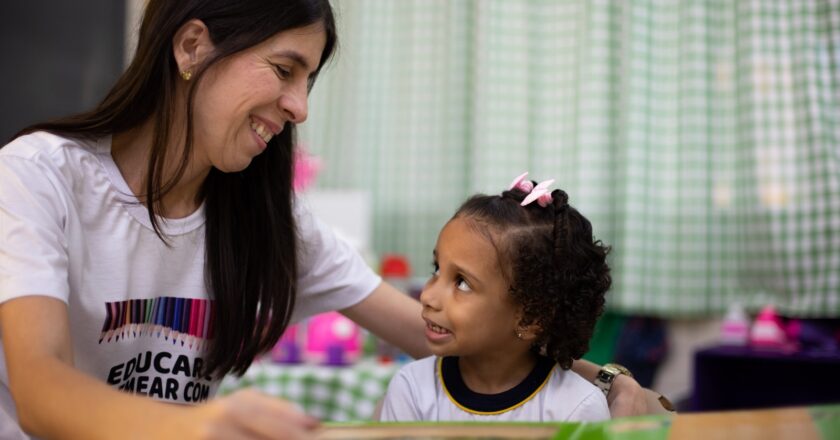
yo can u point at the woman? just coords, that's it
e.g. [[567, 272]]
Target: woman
[[152, 245]]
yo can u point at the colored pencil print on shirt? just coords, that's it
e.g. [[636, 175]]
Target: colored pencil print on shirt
[[184, 321]]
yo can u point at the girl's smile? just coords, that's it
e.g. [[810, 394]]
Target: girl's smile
[[436, 333]]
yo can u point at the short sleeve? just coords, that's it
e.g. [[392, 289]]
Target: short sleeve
[[331, 274], [593, 408], [399, 404], [33, 244]]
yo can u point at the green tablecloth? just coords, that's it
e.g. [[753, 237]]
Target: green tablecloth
[[330, 393]]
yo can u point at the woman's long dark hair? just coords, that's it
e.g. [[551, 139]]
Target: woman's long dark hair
[[251, 260]]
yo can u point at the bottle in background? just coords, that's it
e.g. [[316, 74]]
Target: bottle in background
[[735, 328], [767, 331]]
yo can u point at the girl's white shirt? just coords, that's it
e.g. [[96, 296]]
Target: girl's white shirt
[[416, 393]]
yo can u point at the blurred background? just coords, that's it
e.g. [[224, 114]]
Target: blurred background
[[701, 138]]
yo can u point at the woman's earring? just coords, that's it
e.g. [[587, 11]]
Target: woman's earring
[[519, 334], [186, 74]]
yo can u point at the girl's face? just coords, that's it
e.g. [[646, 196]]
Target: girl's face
[[245, 100], [466, 304]]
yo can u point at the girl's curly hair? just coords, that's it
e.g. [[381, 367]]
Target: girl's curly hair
[[556, 271]]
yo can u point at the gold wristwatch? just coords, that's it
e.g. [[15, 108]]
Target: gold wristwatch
[[607, 375]]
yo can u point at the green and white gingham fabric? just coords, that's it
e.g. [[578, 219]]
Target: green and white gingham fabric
[[702, 138], [337, 394]]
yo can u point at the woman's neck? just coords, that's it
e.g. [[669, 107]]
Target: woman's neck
[[130, 151], [493, 374]]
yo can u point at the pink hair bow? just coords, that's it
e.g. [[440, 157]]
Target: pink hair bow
[[540, 193]]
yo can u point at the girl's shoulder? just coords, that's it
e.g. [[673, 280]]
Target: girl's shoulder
[[426, 367], [576, 397], [418, 374], [569, 381]]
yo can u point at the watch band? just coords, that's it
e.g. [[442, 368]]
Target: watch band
[[606, 376]]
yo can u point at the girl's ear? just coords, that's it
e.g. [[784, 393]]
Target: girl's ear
[[524, 331], [528, 332], [191, 45]]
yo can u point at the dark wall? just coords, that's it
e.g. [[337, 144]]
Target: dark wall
[[57, 57]]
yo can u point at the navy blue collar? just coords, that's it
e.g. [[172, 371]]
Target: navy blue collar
[[487, 404]]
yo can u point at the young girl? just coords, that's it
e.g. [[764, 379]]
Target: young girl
[[518, 284]]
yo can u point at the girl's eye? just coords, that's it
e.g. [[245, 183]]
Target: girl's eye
[[463, 285], [435, 269]]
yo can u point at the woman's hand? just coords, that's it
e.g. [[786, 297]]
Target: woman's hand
[[627, 398], [245, 414]]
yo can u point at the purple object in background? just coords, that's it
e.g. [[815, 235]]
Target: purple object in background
[[286, 352], [815, 335], [287, 349], [335, 356], [732, 378]]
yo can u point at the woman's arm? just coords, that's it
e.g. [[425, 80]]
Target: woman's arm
[[55, 400], [394, 317], [626, 397]]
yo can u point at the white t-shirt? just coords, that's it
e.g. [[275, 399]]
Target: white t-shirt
[[71, 229], [432, 389]]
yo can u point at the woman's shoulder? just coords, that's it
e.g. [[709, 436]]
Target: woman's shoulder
[[46, 160], [43, 145]]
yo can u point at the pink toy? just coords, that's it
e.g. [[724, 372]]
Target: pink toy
[[332, 339], [767, 331]]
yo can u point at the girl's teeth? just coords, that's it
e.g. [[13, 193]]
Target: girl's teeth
[[438, 329]]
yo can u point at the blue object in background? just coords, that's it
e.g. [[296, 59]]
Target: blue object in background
[[641, 347]]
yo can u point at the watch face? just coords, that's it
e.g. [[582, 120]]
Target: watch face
[[606, 376]]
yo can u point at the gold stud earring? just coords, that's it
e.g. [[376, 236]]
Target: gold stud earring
[[186, 74], [519, 334]]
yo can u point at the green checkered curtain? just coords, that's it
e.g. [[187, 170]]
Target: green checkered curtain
[[700, 137]]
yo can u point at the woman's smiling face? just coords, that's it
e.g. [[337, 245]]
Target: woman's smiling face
[[246, 99]]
